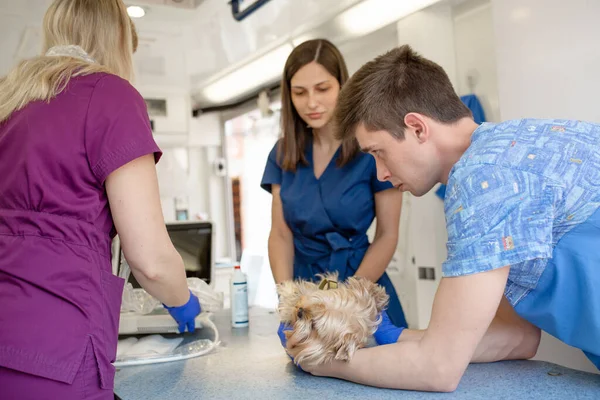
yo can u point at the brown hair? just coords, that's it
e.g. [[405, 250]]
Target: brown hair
[[290, 151], [384, 90]]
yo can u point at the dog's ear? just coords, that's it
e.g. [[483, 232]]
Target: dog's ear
[[380, 297], [366, 287], [287, 290], [348, 346], [289, 295], [344, 326]]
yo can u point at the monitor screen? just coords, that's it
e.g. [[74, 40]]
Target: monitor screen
[[194, 242]]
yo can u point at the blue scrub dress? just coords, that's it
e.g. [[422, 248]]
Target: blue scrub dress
[[329, 217]]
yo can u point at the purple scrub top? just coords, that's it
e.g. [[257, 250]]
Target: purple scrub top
[[57, 290]]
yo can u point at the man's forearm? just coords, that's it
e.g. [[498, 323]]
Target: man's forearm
[[509, 337], [414, 369], [411, 370], [508, 340], [411, 335], [502, 341]]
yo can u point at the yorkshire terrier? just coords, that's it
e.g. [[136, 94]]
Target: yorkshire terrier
[[330, 320]]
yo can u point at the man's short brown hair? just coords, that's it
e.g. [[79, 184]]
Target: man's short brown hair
[[384, 90]]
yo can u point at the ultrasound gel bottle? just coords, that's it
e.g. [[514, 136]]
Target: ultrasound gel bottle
[[239, 299]]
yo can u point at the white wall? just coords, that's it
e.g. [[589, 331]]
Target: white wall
[[431, 33], [363, 49], [548, 56], [20, 31], [548, 60], [476, 55]]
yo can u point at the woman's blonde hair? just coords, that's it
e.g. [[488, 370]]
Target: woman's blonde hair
[[101, 28]]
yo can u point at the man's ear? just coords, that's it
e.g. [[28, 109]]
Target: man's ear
[[416, 124]]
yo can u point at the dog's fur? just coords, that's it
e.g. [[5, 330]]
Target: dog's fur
[[330, 324]]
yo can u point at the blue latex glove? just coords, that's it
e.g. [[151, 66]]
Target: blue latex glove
[[281, 333], [185, 315], [387, 332]]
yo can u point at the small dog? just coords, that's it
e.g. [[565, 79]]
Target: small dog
[[331, 320]]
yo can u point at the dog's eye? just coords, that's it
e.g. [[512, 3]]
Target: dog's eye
[[300, 314]]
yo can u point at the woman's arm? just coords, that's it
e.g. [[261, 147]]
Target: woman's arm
[[387, 211], [281, 242], [134, 201]]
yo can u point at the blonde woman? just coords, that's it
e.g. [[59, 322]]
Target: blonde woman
[[77, 159]]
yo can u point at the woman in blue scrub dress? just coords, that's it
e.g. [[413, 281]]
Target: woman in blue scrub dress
[[325, 192]]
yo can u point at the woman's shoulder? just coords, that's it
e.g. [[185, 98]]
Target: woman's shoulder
[[274, 153], [116, 85], [362, 161], [110, 85]]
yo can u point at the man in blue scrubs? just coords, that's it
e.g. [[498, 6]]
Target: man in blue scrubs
[[523, 218]]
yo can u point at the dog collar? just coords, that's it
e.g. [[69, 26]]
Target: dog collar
[[327, 284]]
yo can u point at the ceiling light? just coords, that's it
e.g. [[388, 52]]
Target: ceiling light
[[259, 72], [136, 11], [371, 15]]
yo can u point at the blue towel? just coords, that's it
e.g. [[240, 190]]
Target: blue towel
[[474, 105], [441, 192]]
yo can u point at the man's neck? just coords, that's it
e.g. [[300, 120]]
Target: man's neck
[[459, 140]]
